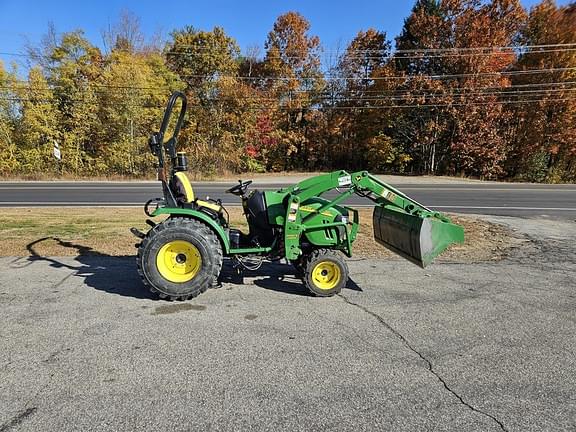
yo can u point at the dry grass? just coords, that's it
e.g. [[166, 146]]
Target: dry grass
[[105, 231]]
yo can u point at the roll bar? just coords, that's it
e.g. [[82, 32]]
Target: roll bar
[[156, 141], [159, 147]]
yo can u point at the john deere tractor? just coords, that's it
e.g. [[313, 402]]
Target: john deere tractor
[[182, 256]]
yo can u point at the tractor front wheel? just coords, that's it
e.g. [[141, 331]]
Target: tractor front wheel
[[179, 259], [325, 272]]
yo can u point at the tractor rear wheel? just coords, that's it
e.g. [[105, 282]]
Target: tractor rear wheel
[[179, 259], [325, 272]]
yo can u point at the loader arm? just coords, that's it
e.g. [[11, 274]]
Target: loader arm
[[401, 224], [382, 193], [363, 184]]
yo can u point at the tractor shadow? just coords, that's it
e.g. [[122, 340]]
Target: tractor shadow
[[111, 274], [118, 274], [274, 277]]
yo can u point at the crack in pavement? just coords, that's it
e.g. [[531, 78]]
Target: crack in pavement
[[428, 362], [18, 419], [23, 415]]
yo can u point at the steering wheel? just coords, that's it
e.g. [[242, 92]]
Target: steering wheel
[[240, 188]]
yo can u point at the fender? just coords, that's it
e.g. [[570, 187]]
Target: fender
[[202, 217]]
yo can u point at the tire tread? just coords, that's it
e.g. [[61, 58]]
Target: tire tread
[[204, 231], [312, 258]]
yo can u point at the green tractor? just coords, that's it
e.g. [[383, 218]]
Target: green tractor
[[182, 256]]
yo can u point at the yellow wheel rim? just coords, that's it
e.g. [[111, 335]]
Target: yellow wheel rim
[[178, 261], [326, 275]]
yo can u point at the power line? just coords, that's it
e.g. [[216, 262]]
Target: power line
[[419, 50], [451, 104], [24, 85], [333, 78], [385, 53], [360, 96], [393, 55], [512, 86], [395, 95], [441, 95], [329, 77], [360, 107], [476, 74], [467, 55], [519, 47]]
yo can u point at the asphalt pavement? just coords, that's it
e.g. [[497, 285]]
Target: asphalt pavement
[[456, 347], [505, 199]]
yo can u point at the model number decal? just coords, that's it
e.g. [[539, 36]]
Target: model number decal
[[389, 195], [344, 180], [293, 211]]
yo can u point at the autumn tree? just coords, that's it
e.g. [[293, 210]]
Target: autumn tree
[[423, 127], [221, 104], [38, 125], [457, 42], [200, 58], [99, 107], [472, 87], [8, 160], [366, 55], [545, 134], [124, 35], [292, 70], [427, 28], [359, 120], [131, 92], [72, 64]]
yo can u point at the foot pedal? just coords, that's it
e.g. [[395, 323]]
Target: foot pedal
[[137, 233]]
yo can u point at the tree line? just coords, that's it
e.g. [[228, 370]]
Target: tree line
[[469, 88]]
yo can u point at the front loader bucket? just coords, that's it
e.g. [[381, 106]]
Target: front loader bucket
[[418, 239]]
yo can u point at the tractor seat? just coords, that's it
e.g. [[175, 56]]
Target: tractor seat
[[184, 194]]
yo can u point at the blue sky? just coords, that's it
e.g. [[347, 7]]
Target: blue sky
[[335, 21]]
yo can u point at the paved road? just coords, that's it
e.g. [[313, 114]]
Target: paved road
[[557, 201], [457, 347]]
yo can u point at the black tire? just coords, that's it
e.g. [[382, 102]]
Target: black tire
[[326, 272], [178, 229]]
